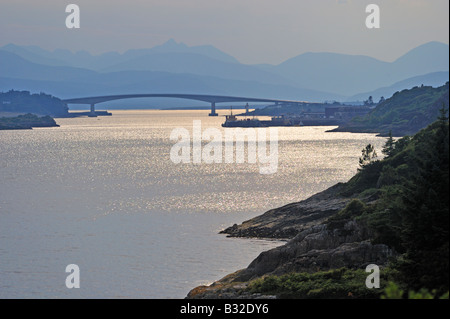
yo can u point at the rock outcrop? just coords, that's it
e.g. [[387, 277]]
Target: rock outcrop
[[319, 248], [313, 246], [287, 221]]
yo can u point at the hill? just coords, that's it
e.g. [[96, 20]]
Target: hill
[[16, 67], [393, 213], [83, 59], [68, 82], [352, 74], [193, 63], [25, 102], [405, 113], [337, 76], [434, 79]]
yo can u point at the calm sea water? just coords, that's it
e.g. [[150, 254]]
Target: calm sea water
[[103, 193]]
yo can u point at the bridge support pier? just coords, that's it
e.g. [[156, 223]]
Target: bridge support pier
[[92, 113], [213, 109]]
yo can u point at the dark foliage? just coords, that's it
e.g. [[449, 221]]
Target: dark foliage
[[25, 102]]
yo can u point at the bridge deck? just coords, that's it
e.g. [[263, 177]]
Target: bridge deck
[[213, 99], [198, 97]]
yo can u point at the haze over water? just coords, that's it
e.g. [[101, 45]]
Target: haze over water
[[103, 193]]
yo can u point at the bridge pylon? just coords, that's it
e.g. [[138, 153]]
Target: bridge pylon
[[92, 113], [213, 109]]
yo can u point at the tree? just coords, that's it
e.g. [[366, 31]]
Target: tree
[[382, 99], [369, 101], [425, 215], [368, 155], [389, 146]]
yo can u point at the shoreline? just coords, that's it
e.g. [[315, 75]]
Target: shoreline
[[311, 246]]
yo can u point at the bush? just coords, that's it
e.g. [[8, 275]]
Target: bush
[[353, 209], [340, 283], [393, 291]]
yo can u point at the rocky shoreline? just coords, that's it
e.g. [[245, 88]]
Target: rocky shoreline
[[287, 221], [312, 244]]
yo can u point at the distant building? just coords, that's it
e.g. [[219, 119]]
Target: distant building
[[313, 115], [345, 112]]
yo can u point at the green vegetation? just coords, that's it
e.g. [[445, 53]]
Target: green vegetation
[[405, 113], [368, 156], [353, 209], [389, 146], [411, 213], [393, 291], [24, 102], [26, 121], [340, 283], [333, 284], [402, 201]]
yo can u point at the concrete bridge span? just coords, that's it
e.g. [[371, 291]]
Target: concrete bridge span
[[213, 99]]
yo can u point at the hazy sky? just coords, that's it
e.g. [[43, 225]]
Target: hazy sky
[[253, 31]]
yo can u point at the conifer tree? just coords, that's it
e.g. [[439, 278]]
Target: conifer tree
[[368, 155], [388, 148], [425, 217]]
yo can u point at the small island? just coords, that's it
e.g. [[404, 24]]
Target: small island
[[21, 110], [26, 121]]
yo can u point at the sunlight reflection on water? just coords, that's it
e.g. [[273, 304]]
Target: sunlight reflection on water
[[103, 193]]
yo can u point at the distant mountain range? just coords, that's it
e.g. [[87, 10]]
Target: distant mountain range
[[177, 68], [65, 82], [352, 74], [83, 59]]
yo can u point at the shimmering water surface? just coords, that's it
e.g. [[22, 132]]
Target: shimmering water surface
[[103, 193]]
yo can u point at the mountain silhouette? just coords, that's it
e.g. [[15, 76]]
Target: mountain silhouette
[[176, 68], [353, 74]]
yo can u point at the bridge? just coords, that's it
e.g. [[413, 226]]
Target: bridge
[[213, 99]]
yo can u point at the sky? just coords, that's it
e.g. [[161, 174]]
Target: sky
[[253, 31]]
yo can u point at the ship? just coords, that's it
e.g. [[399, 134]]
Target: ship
[[318, 119], [232, 121]]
